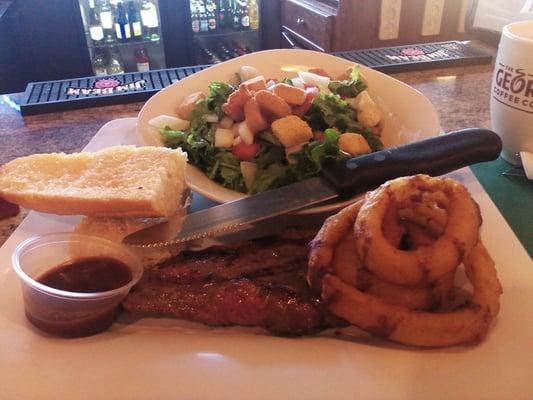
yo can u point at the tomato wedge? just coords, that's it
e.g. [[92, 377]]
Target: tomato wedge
[[245, 152], [319, 136], [319, 71], [312, 93]]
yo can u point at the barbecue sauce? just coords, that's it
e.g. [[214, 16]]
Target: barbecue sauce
[[88, 275], [76, 318]]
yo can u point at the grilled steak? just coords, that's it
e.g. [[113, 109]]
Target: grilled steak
[[256, 283], [253, 258]]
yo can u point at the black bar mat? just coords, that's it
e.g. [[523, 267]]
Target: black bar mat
[[97, 91], [419, 56], [61, 95]]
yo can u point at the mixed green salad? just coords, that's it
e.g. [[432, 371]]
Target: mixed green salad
[[330, 109]]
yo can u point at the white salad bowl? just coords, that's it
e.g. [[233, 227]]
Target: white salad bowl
[[408, 115]]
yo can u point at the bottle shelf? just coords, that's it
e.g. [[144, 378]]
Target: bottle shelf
[[124, 44], [225, 33], [109, 21]]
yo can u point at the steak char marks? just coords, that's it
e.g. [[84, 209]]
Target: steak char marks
[[256, 283]]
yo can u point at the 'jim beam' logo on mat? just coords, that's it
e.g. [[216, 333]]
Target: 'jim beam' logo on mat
[[412, 54], [106, 86], [513, 87]]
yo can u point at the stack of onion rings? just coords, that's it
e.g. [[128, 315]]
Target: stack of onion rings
[[357, 264]]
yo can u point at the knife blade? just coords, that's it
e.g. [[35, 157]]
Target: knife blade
[[434, 156]]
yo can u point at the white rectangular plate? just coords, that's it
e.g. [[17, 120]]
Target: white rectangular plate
[[164, 358]]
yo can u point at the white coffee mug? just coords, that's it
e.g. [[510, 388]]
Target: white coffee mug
[[511, 102]]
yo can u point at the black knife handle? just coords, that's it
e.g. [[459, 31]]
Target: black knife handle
[[434, 156]]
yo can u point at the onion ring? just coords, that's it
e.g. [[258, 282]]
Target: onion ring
[[424, 264], [468, 324], [337, 225], [414, 298], [437, 296], [400, 324], [346, 264]]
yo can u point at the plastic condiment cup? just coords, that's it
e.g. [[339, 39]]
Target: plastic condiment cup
[[64, 313]]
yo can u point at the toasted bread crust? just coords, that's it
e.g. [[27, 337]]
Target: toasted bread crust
[[119, 181]]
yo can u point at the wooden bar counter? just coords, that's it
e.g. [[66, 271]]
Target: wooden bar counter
[[460, 95]]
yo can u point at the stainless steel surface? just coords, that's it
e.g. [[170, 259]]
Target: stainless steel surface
[[239, 214]]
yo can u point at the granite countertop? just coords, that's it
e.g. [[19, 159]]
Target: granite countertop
[[460, 95]]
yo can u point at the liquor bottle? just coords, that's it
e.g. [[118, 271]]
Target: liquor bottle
[[195, 19], [106, 19], [224, 52], [135, 21], [99, 63], [222, 14], [150, 20], [115, 65], [142, 60], [211, 58], [219, 52], [238, 49], [254, 14], [245, 17], [122, 24], [211, 15], [204, 24], [96, 31], [235, 16]]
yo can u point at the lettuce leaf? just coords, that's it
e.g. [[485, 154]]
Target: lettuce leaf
[[374, 141], [218, 95], [350, 87], [310, 160], [287, 81], [226, 171], [196, 141], [330, 111], [273, 176], [272, 151], [198, 125]]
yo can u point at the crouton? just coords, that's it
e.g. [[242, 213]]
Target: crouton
[[292, 131], [362, 100], [234, 107], [369, 117], [354, 144], [253, 117], [291, 94], [255, 84], [368, 113], [272, 104], [188, 104]]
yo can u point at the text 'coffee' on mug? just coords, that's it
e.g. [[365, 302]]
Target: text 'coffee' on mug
[[511, 101]]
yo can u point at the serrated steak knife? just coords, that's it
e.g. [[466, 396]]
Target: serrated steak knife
[[434, 156]]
